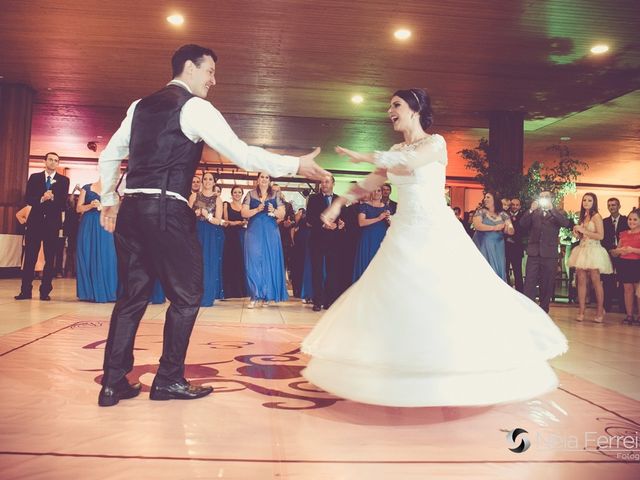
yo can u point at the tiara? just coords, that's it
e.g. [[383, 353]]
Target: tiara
[[416, 97]]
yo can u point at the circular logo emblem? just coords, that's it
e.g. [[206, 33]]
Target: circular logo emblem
[[518, 440]]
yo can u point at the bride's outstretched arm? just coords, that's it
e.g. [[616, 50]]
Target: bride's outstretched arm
[[403, 162]]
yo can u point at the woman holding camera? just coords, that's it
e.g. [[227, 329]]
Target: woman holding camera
[[590, 259]]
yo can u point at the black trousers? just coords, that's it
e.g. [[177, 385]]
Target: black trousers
[[613, 291], [146, 252], [324, 256], [36, 235], [541, 272], [514, 254]]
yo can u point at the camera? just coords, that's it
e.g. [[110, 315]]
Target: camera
[[544, 202]]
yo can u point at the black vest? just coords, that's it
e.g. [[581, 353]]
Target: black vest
[[160, 155]]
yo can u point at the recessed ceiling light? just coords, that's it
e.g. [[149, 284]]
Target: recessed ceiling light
[[175, 19], [402, 34], [357, 99], [99, 136], [598, 49], [565, 139]]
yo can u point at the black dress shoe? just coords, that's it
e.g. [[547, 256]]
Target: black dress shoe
[[45, 298], [110, 395], [23, 296], [316, 307], [179, 391]]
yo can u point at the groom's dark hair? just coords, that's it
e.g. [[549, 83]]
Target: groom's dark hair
[[192, 52]]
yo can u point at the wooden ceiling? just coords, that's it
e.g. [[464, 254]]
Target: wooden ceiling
[[287, 70]]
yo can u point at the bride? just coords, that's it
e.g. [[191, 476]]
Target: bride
[[429, 323]]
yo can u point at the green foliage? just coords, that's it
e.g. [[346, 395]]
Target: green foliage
[[566, 233], [560, 178]]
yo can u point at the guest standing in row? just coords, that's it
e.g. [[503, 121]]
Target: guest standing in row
[[627, 252], [324, 245], [263, 255], [543, 221], [373, 220], [491, 223], [233, 271], [590, 259], [514, 246], [207, 206], [97, 266], [613, 225], [47, 196]]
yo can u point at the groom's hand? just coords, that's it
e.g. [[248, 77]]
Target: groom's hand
[[309, 168]]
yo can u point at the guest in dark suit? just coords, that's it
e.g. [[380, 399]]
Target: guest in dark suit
[[543, 221], [514, 247], [613, 226], [350, 242], [47, 194], [386, 193], [325, 244]]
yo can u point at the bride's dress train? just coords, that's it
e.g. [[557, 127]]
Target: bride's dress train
[[430, 323]]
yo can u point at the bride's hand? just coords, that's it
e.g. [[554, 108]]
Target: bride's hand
[[330, 215], [355, 157]]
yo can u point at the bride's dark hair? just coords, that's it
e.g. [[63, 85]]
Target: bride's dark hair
[[418, 101]]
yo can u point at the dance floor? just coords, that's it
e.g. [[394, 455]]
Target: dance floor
[[264, 421]]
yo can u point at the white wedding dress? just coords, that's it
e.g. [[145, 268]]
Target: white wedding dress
[[429, 323]]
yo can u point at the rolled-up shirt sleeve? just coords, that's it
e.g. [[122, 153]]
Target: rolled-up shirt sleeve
[[199, 119], [111, 157], [432, 150]]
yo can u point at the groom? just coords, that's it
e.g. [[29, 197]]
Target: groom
[[163, 136]]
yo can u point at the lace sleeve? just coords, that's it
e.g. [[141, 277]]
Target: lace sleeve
[[481, 212], [432, 149], [247, 199]]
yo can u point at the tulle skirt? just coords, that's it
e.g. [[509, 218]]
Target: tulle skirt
[[591, 255], [429, 323]]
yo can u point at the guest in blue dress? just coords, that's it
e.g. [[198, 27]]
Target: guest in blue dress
[[373, 220], [207, 206], [263, 255], [233, 271], [157, 295], [96, 264], [491, 223]]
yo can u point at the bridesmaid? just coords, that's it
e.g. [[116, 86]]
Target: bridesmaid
[[373, 220], [491, 223], [263, 255], [207, 206], [233, 271], [96, 264]]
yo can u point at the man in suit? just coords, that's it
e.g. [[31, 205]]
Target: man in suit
[[386, 194], [47, 194], [349, 243], [163, 135], [543, 221], [514, 248], [324, 244], [613, 225]]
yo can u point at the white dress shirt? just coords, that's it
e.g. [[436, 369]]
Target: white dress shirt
[[199, 120]]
